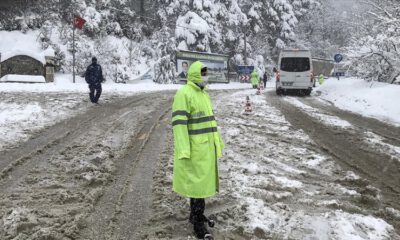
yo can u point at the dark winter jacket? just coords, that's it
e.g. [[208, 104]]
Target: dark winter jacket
[[94, 74]]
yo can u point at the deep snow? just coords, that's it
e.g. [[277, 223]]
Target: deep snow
[[17, 43], [371, 99]]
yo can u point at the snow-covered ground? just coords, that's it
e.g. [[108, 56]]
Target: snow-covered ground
[[374, 140], [372, 99], [272, 179], [26, 108], [276, 182], [22, 114], [323, 117], [63, 83], [280, 183]]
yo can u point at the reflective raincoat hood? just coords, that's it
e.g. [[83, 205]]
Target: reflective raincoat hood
[[194, 73]]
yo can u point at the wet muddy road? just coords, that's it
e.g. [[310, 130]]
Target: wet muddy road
[[88, 177], [287, 174], [296, 168], [375, 161]]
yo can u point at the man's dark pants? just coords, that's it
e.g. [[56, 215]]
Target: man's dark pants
[[197, 207], [265, 84], [95, 92]]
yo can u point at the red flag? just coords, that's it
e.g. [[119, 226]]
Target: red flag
[[79, 22]]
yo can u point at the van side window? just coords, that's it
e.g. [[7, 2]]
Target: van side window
[[295, 64]]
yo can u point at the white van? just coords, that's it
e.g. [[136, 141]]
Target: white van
[[294, 72]]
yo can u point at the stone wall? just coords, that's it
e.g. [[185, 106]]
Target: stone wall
[[22, 65]]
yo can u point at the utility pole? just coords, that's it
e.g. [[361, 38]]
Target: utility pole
[[73, 52], [245, 49], [142, 10]]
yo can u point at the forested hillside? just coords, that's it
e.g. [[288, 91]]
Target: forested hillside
[[131, 37]]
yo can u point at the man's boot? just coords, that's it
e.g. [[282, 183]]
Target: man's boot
[[197, 218], [200, 230], [210, 222]]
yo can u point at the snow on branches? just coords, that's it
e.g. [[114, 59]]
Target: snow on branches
[[376, 55]]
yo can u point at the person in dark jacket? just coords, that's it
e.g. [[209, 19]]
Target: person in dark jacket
[[94, 77], [265, 79]]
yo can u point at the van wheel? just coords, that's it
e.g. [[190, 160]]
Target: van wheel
[[278, 92]]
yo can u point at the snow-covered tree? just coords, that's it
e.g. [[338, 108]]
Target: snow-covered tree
[[326, 30], [375, 55], [248, 31], [242, 29], [164, 69]]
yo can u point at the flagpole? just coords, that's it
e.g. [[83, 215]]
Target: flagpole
[[73, 51]]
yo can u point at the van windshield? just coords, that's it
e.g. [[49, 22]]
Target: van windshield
[[295, 64]]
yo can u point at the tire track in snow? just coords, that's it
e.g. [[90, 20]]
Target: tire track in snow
[[123, 209], [351, 152], [53, 191]]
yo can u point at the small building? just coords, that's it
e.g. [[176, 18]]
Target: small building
[[14, 65]]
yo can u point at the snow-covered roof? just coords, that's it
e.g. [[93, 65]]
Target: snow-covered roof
[[23, 78], [16, 43], [38, 56]]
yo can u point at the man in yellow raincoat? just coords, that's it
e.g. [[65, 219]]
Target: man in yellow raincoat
[[197, 146], [254, 79]]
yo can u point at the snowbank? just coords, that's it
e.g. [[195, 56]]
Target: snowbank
[[63, 83], [22, 78], [378, 100]]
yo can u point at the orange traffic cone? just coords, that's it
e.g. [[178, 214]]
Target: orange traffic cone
[[248, 109], [258, 91]]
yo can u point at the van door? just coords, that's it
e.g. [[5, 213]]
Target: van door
[[288, 76], [303, 72], [298, 70]]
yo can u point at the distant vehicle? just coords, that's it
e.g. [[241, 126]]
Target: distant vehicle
[[294, 72]]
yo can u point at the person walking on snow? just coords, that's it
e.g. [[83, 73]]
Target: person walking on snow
[[94, 77], [254, 79], [265, 79], [197, 147]]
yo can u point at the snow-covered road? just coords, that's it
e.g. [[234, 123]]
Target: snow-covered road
[[85, 176], [296, 168], [279, 181]]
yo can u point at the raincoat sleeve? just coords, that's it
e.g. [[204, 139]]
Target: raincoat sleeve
[[180, 117]]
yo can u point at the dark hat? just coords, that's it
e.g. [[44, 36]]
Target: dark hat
[[94, 60]]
